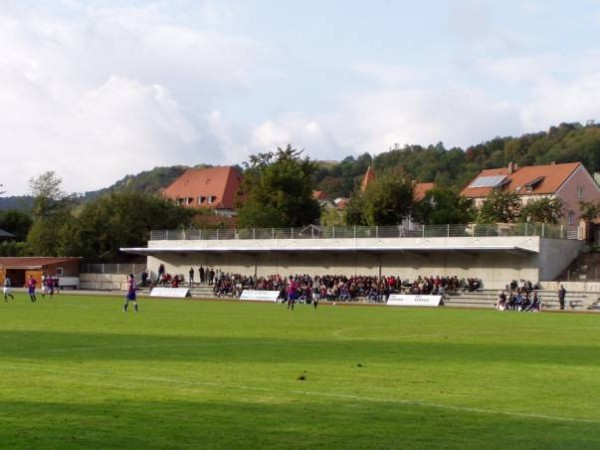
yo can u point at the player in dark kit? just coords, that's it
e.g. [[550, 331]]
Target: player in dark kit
[[130, 296], [31, 284]]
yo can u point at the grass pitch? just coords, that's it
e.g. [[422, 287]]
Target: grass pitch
[[76, 372]]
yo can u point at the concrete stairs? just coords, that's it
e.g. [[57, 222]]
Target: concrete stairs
[[575, 301]]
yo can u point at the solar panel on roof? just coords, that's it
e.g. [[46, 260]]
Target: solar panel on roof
[[487, 181]]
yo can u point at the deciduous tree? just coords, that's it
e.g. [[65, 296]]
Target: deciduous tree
[[543, 210], [500, 207], [278, 188], [443, 206]]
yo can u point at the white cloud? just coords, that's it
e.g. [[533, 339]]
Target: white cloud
[[455, 115], [111, 92], [527, 69]]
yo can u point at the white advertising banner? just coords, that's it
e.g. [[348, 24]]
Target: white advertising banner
[[263, 296], [170, 292], [414, 300]]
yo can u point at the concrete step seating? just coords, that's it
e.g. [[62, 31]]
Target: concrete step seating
[[575, 301]]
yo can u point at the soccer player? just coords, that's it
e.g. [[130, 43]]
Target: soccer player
[[50, 286], [292, 293], [31, 284], [7, 289], [130, 295]]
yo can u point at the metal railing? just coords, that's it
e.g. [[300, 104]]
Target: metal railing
[[115, 269], [358, 232]]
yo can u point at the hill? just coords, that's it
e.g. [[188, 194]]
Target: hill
[[450, 168]]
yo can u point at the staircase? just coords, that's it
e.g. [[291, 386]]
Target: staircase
[[575, 301], [586, 267]]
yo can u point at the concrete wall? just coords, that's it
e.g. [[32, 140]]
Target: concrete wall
[[555, 256], [495, 260], [102, 282], [573, 286]]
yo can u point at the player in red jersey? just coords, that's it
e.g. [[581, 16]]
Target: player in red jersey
[[31, 284], [130, 296]]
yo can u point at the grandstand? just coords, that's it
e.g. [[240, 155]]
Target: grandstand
[[495, 254]]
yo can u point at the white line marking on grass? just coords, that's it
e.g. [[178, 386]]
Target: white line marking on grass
[[170, 380]]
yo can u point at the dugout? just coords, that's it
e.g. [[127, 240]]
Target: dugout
[[19, 268]]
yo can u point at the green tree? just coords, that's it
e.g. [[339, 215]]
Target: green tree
[[443, 206], [354, 211], [121, 219], [331, 217], [543, 210], [590, 210], [16, 222], [278, 189], [51, 212], [47, 194], [388, 199], [500, 207]]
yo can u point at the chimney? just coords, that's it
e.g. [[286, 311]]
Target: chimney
[[511, 168]]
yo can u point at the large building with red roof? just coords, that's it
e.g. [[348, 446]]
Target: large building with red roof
[[570, 182], [215, 188]]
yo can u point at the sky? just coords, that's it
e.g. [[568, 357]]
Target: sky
[[96, 90]]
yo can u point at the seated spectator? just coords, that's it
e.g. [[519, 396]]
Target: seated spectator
[[501, 301]]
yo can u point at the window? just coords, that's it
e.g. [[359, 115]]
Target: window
[[580, 192], [59, 271], [201, 200], [212, 198], [571, 218]]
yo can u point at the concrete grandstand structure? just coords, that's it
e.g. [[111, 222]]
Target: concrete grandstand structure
[[495, 254]]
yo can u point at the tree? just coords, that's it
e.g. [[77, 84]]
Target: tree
[[543, 210], [388, 199], [331, 217], [16, 222], [47, 193], [278, 190], [354, 211], [442, 206], [500, 207], [51, 212], [118, 220], [590, 210]]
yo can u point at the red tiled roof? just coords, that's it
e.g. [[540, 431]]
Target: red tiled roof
[[368, 177], [554, 175], [341, 203], [421, 189], [319, 195], [33, 262], [221, 184]]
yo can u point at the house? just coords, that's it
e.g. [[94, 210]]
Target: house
[[20, 268], [570, 182], [420, 190], [214, 188], [6, 236]]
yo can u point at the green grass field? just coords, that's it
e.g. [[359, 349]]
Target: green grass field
[[76, 372]]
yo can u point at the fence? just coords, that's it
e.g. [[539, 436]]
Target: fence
[[318, 232], [116, 269]]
